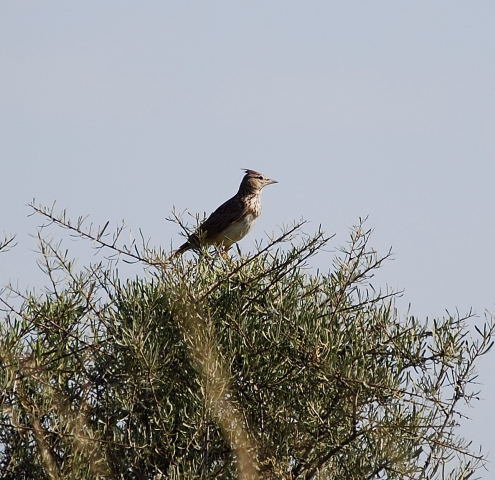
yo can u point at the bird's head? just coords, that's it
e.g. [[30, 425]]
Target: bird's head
[[254, 181]]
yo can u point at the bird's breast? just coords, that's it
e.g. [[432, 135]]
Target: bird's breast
[[237, 230]]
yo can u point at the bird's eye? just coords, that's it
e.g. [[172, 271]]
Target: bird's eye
[[260, 177]]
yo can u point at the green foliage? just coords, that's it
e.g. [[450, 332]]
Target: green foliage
[[249, 367]]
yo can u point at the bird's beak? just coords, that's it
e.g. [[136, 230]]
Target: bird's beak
[[270, 181]]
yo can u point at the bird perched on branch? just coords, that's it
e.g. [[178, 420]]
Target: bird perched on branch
[[232, 220]]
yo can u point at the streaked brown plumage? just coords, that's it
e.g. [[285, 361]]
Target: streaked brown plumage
[[232, 220]]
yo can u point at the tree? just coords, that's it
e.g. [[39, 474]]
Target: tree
[[211, 368]]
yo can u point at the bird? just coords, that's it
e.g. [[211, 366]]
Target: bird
[[232, 220]]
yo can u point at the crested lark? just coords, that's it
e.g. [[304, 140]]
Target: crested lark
[[232, 220]]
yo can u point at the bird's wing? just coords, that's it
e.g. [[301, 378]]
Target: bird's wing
[[224, 216]]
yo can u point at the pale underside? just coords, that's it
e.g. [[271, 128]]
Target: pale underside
[[234, 232]]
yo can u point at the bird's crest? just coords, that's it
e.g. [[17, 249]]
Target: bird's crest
[[251, 172]]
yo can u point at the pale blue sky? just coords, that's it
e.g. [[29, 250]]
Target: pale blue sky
[[123, 109]]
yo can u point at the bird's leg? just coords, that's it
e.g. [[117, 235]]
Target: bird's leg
[[223, 251]]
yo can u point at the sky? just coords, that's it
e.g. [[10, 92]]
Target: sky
[[386, 109]]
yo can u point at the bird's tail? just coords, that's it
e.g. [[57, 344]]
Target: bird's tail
[[183, 248]]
